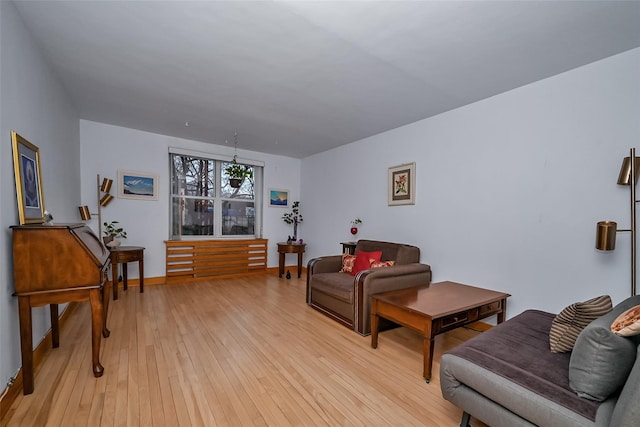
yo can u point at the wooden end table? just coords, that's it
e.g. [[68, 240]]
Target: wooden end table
[[123, 255], [349, 247], [290, 248], [434, 309]]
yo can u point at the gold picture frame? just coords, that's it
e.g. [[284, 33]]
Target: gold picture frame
[[27, 170], [402, 184]]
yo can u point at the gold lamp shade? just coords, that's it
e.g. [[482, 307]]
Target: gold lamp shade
[[106, 185], [105, 200], [606, 235], [625, 171], [84, 213]]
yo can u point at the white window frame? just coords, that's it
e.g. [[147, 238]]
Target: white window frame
[[258, 167]]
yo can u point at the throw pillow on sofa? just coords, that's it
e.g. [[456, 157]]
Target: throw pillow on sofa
[[601, 360], [364, 260], [568, 324], [347, 263], [383, 264], [628, 323]]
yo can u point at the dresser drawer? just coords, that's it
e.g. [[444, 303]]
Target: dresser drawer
[[491, 308], [455, 320]]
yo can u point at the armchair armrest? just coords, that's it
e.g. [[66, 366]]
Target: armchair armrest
[[324, 264], [378, 280]]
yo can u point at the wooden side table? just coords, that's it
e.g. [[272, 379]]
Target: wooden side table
[[349, 247], [123, 255], [290, 248]]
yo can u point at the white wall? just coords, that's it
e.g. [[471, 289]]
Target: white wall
[[509, 189], [106, 148], [35, 105]]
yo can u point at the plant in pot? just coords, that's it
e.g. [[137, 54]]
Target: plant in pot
[[294, 217], [354, 225], [238, 173], [113, 232]]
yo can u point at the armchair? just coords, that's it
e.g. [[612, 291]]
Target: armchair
[[346, 298]]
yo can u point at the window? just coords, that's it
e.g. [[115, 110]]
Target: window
[[207, 202]]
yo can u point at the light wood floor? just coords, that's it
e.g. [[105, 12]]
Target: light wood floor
[[232, 352]]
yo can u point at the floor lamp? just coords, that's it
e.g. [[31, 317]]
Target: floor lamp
[[606, 230], [103, 200]]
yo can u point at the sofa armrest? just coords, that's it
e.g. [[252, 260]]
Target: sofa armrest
[[378, 280]]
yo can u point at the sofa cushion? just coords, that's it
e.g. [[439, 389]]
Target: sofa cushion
[[573, 319], [347, 263], [628, 323], [601, 360], [338, 285], [363, 261], [627, 410], [518, 351]]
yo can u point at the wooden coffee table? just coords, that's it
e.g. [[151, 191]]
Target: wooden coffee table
[[434, 309]]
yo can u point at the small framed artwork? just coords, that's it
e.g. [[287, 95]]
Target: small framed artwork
[[137, 185], [402, 184], [26, 167], [278, 198]]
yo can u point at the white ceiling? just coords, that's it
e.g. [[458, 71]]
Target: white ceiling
[[298, 78]]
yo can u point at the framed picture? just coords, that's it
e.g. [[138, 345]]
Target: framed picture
[[26, 166], [137, 185], [402, 184], [278, 198]]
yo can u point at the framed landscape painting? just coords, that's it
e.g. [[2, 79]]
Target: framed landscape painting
[[278, 198], [137, 185], [402, 184], [26, 167]]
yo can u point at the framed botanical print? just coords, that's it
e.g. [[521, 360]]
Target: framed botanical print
[[402, 184], [26, 167]]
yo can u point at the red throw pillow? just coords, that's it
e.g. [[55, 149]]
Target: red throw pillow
[[363, 261]]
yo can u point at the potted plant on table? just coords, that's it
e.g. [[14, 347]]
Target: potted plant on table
[[294, 217], [112, 233]]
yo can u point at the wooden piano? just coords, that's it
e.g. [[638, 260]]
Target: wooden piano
[[55, 264]]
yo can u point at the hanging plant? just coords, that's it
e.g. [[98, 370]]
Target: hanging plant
[[238, 173]]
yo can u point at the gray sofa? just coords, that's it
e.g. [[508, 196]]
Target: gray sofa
[[508, 376], [347, 299]]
